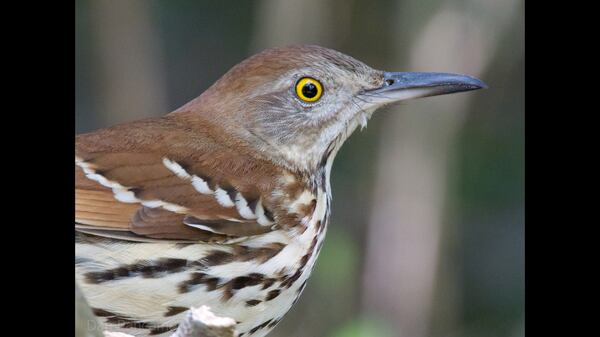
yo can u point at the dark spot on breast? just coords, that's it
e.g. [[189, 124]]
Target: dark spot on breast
[[212, 283], [102, 313], [172, 311], [170, 265], [136, 325], [309, 208], [319, 226], [121, 272], [272, 294], [240, 253], [246, 281], [240, 282], [305, 259], [216, 258], [162, 329], [261, 254], [146, 269], [313, 205], [288, 281], [227, 294], [267, 283], [197, 278], [98, 277], [114, 318], [252, 303], [119, 320]]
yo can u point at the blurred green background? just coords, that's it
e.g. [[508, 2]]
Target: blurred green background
[[427, 234]]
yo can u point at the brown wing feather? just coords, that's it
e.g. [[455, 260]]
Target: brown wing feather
[[95, 205], [134, 161], [158, 223]]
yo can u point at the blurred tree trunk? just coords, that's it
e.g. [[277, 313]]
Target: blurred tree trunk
[[130, 79], [285, 22], [405, 249]]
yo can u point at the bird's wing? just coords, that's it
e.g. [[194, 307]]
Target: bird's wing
[[136, 185]]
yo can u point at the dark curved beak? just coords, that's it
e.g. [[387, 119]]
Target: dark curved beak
[[401, 86]]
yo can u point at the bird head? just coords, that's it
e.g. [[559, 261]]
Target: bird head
[[297, 105]]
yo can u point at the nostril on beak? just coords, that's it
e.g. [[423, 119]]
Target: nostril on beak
[[389, 81]]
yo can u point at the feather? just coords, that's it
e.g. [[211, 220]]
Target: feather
[[144, 186]]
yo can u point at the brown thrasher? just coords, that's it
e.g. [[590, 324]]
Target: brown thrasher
[[225, 201]]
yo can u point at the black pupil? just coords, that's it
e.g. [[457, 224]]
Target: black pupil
[[309, 90]]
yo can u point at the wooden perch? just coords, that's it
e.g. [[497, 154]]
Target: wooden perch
[[198, 322], [201, 322]]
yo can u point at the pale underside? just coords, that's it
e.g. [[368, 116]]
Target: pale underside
[[150, 300], [131, 291]]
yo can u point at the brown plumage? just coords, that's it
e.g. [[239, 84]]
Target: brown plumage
[[225, 201], [136, 161]]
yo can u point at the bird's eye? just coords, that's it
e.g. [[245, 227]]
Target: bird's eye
[[308, 89]]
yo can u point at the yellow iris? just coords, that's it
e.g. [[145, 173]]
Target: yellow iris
[[308, 89]]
